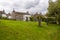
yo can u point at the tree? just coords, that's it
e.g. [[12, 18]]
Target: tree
[[39, 19], [54, 10], [31, 18]]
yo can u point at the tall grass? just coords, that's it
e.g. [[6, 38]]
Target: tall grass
[[20, 30]]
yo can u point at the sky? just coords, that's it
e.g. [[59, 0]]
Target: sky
[[32, 6]]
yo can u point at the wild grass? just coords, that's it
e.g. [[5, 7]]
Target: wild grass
[[21, 30]]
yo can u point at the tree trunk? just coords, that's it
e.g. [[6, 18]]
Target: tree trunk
[[39, 22]]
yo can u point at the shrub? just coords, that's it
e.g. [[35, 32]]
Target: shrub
[[4, 18], [50, 20], [31, 19]]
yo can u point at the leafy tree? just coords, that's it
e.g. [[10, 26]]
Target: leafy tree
[[31, 18], [39, 20], [54, 10]]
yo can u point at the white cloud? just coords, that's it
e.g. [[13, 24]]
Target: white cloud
[[24, 5]]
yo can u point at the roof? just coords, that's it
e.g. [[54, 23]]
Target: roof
[[35, 15], [8, 14], [22, 13], [1, 12]]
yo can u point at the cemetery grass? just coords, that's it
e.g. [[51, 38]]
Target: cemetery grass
[[20, 30]]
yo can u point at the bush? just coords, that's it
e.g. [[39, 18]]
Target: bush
[[59, 20], [50, 20], [4, 18], [31, 19]]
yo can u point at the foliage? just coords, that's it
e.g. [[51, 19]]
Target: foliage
[[0, 17], [54, 10], [3, 17], [31, 19], [52, 20]]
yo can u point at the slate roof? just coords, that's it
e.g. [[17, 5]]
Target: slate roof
[[22, 13], [1, 12]]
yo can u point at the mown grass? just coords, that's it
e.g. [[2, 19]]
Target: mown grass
[[20, 30]]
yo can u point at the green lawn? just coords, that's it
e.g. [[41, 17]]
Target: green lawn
[[20, 30]]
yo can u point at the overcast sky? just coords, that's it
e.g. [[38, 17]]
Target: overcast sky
[[24, 5]]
